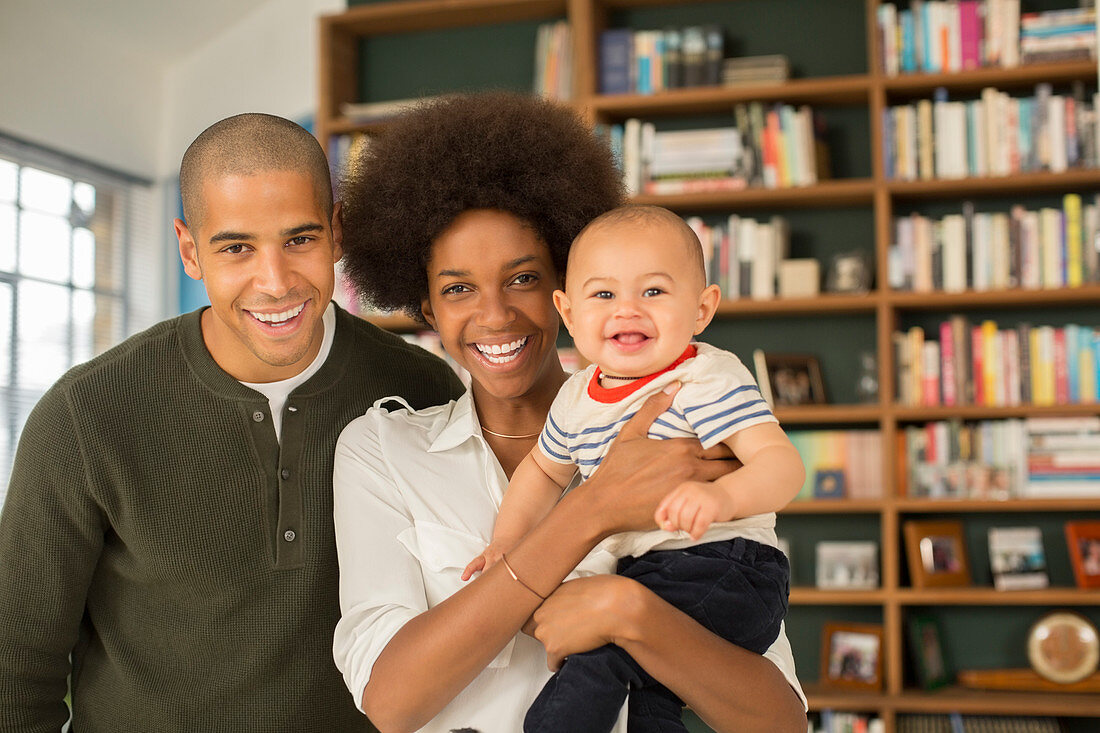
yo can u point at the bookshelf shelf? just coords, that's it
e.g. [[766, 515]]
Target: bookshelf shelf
[[949, 506], [840, 192], [969, 81], [992, 597], [1018, 183], [839, 90], [1085, 295], [979, 412], [856, 98], [819, 597]]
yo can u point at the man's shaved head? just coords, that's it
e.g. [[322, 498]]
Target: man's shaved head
[[245, 145], [645, 214]]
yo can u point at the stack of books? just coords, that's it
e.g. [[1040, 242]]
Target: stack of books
[[743, 255], [1063, 457], [985, 365], [1032, 249], [995, 135], [680, 161], [554, 61], [1058, 35], [938, 36], [950, 459], [648, 61], [857, 454], [772, 69]]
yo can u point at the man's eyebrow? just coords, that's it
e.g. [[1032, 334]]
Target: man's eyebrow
[[242, 237]]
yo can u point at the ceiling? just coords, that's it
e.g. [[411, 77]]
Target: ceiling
[[160, 31]]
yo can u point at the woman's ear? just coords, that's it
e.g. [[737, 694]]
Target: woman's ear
[[426, 311]]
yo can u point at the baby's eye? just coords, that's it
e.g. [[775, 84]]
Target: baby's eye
[[603, 294], [650, 292]]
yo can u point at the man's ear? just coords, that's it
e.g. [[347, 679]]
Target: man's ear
[[189, 252], [708, 305], [337, 232], [426, 311], [561, 302]]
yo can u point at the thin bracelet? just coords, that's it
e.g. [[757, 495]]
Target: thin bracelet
[[515, 577]]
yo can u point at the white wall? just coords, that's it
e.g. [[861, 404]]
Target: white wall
[[75, 91], [265, 63]]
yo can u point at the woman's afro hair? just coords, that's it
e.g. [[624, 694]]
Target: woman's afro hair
[[495, 150]]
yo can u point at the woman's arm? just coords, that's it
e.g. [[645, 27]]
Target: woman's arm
[[728, 687], [437, 653]]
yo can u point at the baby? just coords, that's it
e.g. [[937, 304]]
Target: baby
[[635, 295]]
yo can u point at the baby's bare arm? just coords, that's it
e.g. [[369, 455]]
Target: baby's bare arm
[[771, 476], [536, 486]]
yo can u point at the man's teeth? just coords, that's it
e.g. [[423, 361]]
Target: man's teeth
[[278, 317], [502, 353]]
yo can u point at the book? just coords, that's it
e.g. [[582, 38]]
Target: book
[[616, 50]]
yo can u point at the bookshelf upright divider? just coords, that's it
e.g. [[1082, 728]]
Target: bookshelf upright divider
[[887, 309]]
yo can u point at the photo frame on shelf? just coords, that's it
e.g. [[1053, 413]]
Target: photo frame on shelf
[[849, 272], [847, 565], [829, 483], [788, 380], [1083, 538], [1017, 559], [851, 656], [937, 553], [927, 650]]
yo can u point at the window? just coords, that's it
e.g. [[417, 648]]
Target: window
[[67, 236]]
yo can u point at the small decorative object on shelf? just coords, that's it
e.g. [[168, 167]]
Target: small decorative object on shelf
[[787, 380], [926, 646], [851, 656], [1017, 559], [867, 381], [937, 553], [848, 565], [829, 483], [1083, 538], [1063, 647]]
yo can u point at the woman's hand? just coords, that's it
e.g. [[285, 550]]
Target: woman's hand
[[581, 615], [637, 472]]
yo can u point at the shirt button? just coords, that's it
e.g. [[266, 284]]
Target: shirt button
[[258, 416], [289, 535], [285, 473], [292, 408]]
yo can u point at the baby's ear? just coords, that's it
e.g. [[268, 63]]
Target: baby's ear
[[561, 302], [708, 305]]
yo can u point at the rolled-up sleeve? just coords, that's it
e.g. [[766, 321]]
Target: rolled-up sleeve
[[381, 583]]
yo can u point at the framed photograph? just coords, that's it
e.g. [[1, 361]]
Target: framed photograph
[[1017, 559], [851, 656], [1063, 647], [926, 647], [851, 565], [849, 272], [937, 553], [1084, 551], [789, 379]]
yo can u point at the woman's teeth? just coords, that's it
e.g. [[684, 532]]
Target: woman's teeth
[[502, 353]]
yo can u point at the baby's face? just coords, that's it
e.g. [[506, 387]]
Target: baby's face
[[634, 297]]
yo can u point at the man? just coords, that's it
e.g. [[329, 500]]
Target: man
[[167, 536]]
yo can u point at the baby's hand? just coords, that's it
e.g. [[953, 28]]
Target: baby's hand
[[693, 506], [489, 557]]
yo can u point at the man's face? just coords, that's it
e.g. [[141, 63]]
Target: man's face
[[265, 251]]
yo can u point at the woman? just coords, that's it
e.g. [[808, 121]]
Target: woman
[[462, 214]]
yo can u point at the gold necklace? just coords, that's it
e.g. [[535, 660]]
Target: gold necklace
[[513, 437]]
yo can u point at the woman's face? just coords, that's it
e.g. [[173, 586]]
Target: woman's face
[[490, 286]]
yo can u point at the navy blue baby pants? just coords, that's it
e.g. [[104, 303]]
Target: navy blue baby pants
[[736, 588]]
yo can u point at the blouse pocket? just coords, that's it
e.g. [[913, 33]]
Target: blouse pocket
[[443, 552]]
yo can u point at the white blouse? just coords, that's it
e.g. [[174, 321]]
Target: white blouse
[[415, 498]]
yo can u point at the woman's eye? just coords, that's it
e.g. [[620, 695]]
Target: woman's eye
[[454, 289], [526, 278]]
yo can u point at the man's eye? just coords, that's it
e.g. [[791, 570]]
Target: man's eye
[[299, 240], [234, 249]]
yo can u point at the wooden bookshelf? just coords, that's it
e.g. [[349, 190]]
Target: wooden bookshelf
[[869, 89]]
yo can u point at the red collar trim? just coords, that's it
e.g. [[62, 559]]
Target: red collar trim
[[609, 395]]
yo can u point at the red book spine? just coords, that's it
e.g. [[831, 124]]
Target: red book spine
[[977, 359]]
